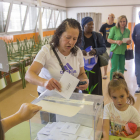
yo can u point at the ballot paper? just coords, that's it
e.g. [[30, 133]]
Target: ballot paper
[[70, 128], [84, 131], [57, 108], [88, 56], [125, 40], [62, 136], [80, 138], [42, 137], [68, 85]]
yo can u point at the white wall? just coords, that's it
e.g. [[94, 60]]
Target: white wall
[[118, 7], [75, 3], [117, 10]]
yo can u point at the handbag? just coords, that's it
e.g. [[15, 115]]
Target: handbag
[[103, 59], [129, 54]]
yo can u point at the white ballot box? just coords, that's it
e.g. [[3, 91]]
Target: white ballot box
[[77, 118]]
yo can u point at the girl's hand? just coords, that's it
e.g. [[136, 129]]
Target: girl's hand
[[84, 52], [128, 42], [52, 84], [119, 42], [83, 87], [104, 139], [121, 134], [27, 111], [92, 52]]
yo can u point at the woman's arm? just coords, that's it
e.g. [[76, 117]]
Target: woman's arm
[[32, 74], [119, 42], [136, 134], [26, 112], [105, 129], [32, 77], [101, 47], [83, 77]]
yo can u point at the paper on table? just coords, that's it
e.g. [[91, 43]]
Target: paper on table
[[80, 138], [84, 131], [61, 109], [68, 85], [62, 136], [88, 56], [42, 137], [70, 128], [125, 40]]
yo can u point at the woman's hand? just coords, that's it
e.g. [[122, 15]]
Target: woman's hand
[[52, 84], [128, 42], [83, 87], [27, 111], [84, 52], [119, 42], [92, 52]]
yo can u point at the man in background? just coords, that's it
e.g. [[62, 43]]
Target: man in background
[[104, 30], [136, 39]]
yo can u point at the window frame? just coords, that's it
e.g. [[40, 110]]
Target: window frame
[[23, 31]]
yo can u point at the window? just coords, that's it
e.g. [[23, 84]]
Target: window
[[4, 8], [45, 18], [137, 15], [17, 17], [51, 23], [31, 18], [63, 15], [58, 21]]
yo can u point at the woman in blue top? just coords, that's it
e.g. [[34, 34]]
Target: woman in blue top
[[94, 39], [118, 47]]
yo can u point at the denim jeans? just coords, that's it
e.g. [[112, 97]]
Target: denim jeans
[[137, 67]]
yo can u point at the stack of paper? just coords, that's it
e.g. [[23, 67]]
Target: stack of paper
[[65, 131]]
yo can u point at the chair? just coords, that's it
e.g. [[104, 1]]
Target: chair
[[3, 82]]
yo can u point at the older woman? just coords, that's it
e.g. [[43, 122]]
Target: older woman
[[94, 39], [64, 41], [118, 48]]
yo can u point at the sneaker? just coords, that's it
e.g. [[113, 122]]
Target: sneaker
[[138, 90], [125, 69], [105, 77]]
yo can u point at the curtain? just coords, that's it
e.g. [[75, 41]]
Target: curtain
[[97, 19]]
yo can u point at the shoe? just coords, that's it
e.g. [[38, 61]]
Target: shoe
[[137, 91], [105, 77], [125, 69]]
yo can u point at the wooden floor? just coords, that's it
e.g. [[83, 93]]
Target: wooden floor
[[13, 95]]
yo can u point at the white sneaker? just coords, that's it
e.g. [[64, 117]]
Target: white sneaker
[[137, 91]]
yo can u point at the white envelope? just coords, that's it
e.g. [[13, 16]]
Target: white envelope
[[125, 40], [68, 85], [70, 128]]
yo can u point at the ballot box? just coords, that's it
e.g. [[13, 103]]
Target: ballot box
[[77, 118]]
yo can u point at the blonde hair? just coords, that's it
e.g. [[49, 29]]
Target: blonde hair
[[119, 82], [119, 19]]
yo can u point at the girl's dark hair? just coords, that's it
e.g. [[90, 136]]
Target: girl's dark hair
[[119, 82], [1, 130], [69, 22]]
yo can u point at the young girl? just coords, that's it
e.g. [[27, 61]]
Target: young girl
[[120, 111]]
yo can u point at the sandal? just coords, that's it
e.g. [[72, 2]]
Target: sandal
[[105, 77]]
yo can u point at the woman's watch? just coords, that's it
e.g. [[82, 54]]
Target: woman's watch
[[115, 41]]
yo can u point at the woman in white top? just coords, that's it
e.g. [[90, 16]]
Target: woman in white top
[[45, 71]]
